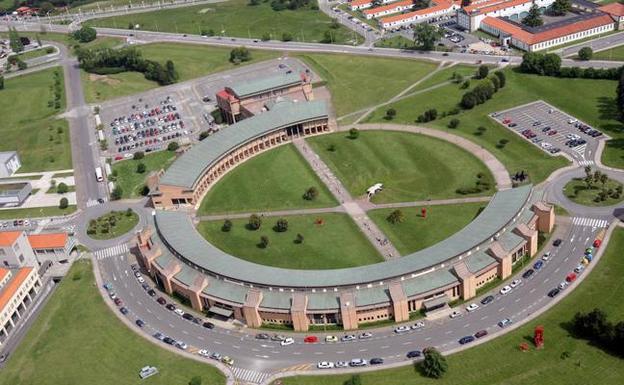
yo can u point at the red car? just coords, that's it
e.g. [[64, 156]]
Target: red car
[[597, 243], [571, 277], [117, 301], [551, 133], [506, 121], [310, 339]]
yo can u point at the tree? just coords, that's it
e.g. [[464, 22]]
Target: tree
[[239, 55], [14, 41], [560, 7], [287, 36], [138, 155], [227, 226], [534, 18], [396, 216], [299, 239], [311, 194], [585, 53], [483, 71], [281, 225], [1, 82], [425, 35], [266, 36], [140, 168], [604, 178], [465, 84], [469, 100], [85, 34], [495, 82], [454, 123], [264, 242], [620, 96], [254, 222], [354, 133], [62, 188], [117, 193], [501, 78], [63, 203], [173, 146], [434, 364], [21, 65], [390, 114]]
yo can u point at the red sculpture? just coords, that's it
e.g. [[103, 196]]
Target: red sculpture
[[538, 337], [423, 212]]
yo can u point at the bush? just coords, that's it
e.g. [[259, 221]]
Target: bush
[[287, 36], [465, 84], [434, 365], [299, 239], [281, 225], [173, 146], [140, 168], [453, 123], [254, 222], [227, 226], [144, 190], [482, 71], [311, 194], [62, 188], [266, 36], [63, 203], [585, 53], [264, 242], [138, 155], [395, 217], [239, 55], [354, 133], [390, 114], [501, 78], [117, 193], [85, 34]]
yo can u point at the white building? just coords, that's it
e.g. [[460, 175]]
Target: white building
[[437, 9], [9, 163]]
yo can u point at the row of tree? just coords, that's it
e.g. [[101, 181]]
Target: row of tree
[[595, 327], [484, 90], [107, 61], [549, 64]]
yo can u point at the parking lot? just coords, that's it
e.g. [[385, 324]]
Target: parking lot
[[552, 130], [179, 113]]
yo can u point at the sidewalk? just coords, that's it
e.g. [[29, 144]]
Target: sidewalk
[[351, 206]]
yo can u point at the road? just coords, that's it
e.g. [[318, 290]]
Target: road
[[599, 44]]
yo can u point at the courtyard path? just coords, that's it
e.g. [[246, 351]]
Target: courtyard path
[[351, 206]]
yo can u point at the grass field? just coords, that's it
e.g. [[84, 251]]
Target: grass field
[[445, 75], [576, 190], [594, 107], [100, 41], [354, 81], [236, 18], [411, 167], [36, 212], [132, 182], [500, 362], [616, 54], [348, 247], [29, 124], [113, 224], [191, 61], [395, 42], [275, 180], [77, 340], [33, 54], [417, 233]]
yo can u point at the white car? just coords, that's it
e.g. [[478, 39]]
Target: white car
[[579, 268], [141, 279], [181, 345], [365, 335], [402, 329], [455, 314], [204, 353], [325, 365], [563, 285], [348, 337], [418, 325], [287, 341], [179, 312], [472, 307], [546, 256], [331, 339], [342, 364], [572, 121], [515, 283], [505, 290], [128, 155]]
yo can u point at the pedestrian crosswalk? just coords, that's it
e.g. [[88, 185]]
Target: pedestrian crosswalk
[[111, 251], [246, 376], [93, 202], [586, 163], [580, 149], [590, 222]]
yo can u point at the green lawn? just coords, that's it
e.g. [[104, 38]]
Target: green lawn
[[411, 167], [397, 41], [53, 190], [616, 54], [595, 107], [33, 54], [66, 39], [355, 81], [417, 233], [191, 61], [445, 74], [238, 19], [77, 340], [29, 124], [576, 190], [112, 224], [500, 362], [275, 180], [349, 247], [36, 212], [132, 182]]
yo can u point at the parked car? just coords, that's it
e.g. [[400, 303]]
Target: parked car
[[358, 362], [341, 364], [538, 265], [287, 341], [365, 335], [227, 360], [140, 323], [204, 353], [455, 314], [210, 325], [505, 290], [504, 322], [557, 242], [401, 329], [331, 339], [169, 340], [553, 293], [515, 283], [325, 365], [466, 340], [571, 277], [481, 333], [179, 312], [487, 300], [278, 337], [161, 301], [262, 336], [528, 273], [376, 361], [310, 339], [578, 269], [472, 307], [123, 310], [348, 337], [418, 325], [414, 354], [170, 306]]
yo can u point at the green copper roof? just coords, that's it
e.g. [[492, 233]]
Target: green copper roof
[[186, 170], [250, 88], [178, 231]]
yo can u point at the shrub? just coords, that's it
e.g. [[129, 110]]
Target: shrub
[[117, 193], [585, 53], [173, 146], [286, 36], [264, 242], [85, 34], [354, 133], [453, 123], [227, 226], [138, 155], [254, 222], [140, 168], [311, 194], [63, 203], [299, 239], [239, 55], [434, 365], [390, 114], [395, 217], [62, 188], [483, 71], [281, 225]]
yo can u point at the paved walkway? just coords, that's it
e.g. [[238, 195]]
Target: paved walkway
[[351, 206], [277, 213], [40, 196], [498, 170]]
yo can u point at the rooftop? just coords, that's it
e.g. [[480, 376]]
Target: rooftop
[[177, 230], [186, 170], [9, 290], [48, 241], [250, 88], [616, 9], [8, 238]]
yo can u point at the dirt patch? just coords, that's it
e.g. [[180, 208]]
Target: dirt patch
[[205, 10], [104, 79]]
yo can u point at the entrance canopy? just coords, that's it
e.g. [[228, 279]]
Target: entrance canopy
[[221, 311], [435, 303]]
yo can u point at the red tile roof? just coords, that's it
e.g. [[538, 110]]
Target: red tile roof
[[493, 5], [8, 238], [360, 2], [391, 6], [48, 241], [615, 9], [13, 286], [564, 30], [3, 273], [436, 6]]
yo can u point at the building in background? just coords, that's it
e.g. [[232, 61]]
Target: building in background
[[18, 288], [9, 163], [14, 193], [53, 247]]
